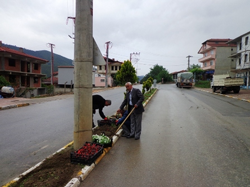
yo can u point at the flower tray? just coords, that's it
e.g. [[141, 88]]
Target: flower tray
[[106, 144], [87, 154]]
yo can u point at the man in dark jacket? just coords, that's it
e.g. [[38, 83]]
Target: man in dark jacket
[[99, 103], [134, 99]]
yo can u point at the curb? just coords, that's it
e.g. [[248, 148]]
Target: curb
[[14, 106], [224, 95], [75, 182]]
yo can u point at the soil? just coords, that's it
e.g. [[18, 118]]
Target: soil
[[57, 170], [108, 130]]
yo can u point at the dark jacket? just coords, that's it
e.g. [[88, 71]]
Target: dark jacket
[[127, 122], [137, 98], [98, 103]]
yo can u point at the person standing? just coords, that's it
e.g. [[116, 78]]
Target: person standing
[[99, 103], [134, 99]]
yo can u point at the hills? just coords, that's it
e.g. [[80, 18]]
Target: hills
[[46, 68]]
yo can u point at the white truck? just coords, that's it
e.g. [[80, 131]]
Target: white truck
[[226, 83], [184, 79]]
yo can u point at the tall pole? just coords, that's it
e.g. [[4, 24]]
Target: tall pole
[[189, 60], [107, 57], [83, 58], [52, 62]]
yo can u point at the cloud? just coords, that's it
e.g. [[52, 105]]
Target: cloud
[[163, 31]]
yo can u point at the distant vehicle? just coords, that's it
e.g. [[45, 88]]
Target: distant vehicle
[[225, 83], [185, 79]]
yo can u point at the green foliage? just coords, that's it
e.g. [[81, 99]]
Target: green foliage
[[3, 82], [197, 71], [158, 73], [193, 66], [202, 84], [127, 73], [147, 84]]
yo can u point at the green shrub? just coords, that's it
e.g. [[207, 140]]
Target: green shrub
[[202, 84], [3, 82]]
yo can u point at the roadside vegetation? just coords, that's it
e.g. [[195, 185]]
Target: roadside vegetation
[[202, 84]]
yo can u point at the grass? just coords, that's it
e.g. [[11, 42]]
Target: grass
[[148, 94], [202, 84]]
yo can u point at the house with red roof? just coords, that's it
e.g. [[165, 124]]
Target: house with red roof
[[215, 57], [20, 69]]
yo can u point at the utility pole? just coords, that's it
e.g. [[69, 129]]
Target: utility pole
[[188, 60], [52, 62], [83, 64], [107, 57]]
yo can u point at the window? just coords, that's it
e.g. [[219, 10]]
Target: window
[[211, 63], [246, 40], [102, 80], [35, 80], [232, 49], [239, 61], [100, 67], [245, 59], [35, 66], [205, 54], [120, 67], [212, 52], [112, 68], [205, 64], [12, 62], [116, 68], [240, 46]]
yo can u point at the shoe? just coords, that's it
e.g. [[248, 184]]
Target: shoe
[[130, 136], [137, 138]]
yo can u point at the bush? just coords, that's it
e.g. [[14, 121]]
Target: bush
[[3, 82], [202, 84]]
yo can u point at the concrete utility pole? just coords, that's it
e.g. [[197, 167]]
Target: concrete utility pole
[[83, 58], [52, 62], [188, 60], [107, 57]]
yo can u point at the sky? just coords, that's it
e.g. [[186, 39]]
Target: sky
[[162, 32]]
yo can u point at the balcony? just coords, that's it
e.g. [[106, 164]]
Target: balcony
[[207, 58]]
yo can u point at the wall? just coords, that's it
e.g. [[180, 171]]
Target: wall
[[224, 64], [65, 75], [100, 83]]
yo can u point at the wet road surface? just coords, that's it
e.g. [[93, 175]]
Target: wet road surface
[[189, 138]]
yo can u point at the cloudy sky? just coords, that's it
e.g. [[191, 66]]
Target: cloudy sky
[[164, 32]]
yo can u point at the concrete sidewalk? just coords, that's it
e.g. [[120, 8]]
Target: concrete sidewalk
[[243, 95]]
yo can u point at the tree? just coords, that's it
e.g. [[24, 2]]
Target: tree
[[127, 73], [197, 71], [158, 73]]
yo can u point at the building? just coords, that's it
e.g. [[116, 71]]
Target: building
[[215, 57], [66, 74], [20, 69], [242, 56], [113, 67]]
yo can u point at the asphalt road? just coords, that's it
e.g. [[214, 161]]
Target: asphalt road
[[30, 134], [189, 138]]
